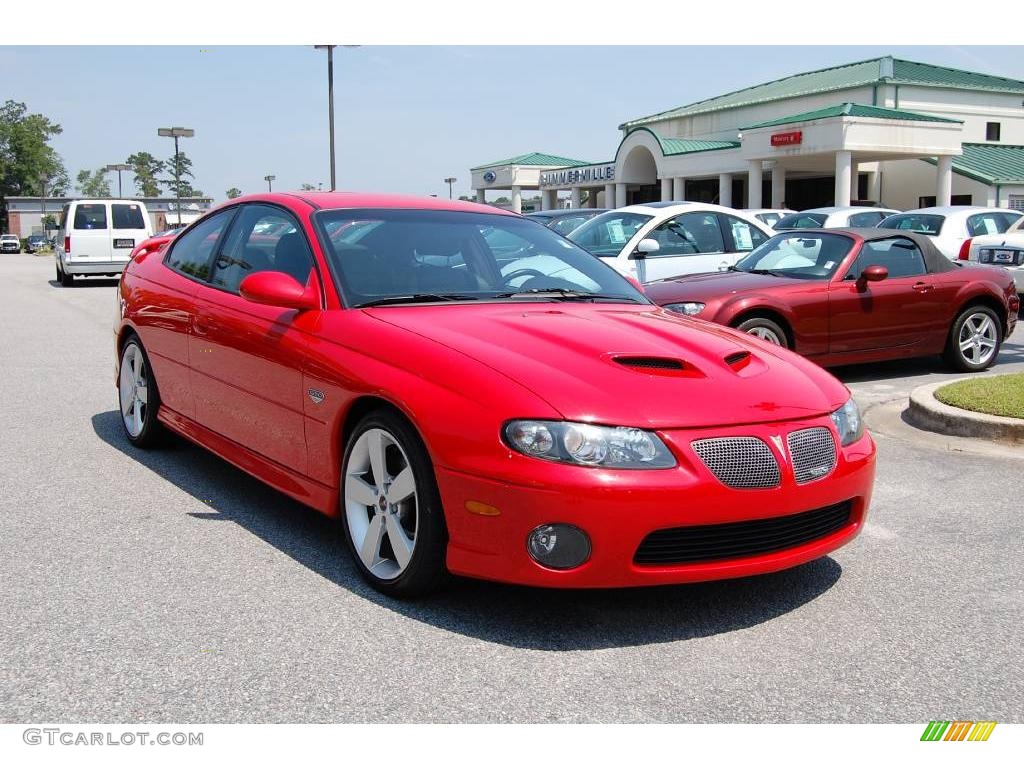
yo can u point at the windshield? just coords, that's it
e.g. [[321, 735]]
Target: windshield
[[409, 255], [607, 234], [805, 257], [922, 223], [802, 221]]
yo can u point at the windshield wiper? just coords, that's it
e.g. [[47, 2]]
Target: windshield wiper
[[417, 298], [773, 272], [734, 268], [563, 294]]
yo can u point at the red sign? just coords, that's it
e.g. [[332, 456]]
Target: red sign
[[787, 139]]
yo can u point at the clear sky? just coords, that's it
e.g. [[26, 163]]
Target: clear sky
[[406, 117]]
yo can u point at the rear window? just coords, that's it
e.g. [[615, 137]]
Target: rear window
[[127, 216], [922, 223], [90, 216], [802, 221]]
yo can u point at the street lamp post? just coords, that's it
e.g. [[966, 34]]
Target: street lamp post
[[270, 182], [43, 178], [449, 181], [118, 167], [176, 133], [330, 102]]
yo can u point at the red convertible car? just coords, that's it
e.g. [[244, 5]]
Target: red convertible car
[[468, 392], [854, 296]]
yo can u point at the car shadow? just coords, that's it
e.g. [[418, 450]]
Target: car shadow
[[521, 617], [88, 282]]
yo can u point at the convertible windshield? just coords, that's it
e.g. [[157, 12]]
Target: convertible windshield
[[607, 234], [805, 257], [407, 256]]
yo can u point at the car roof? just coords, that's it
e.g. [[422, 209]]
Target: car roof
[[768, 210], [946, 210], [848, 209], [676, 206], [333, 200], [563, 212]]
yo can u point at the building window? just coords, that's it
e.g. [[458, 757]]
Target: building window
[[928, 201], [1016, 202], [991, 131]]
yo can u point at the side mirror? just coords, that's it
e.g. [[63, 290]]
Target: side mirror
[[646, 246], [872, 274], [276, 289]]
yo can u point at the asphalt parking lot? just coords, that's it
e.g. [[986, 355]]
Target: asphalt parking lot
[[168, 586]]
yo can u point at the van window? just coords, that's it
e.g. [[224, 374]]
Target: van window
[[127, 216], [91, 216]]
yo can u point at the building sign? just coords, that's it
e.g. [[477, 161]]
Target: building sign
[[567, 177], [490, 176], [787, 139]]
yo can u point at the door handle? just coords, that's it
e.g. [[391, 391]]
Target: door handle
[[199, 328], [923, 287]]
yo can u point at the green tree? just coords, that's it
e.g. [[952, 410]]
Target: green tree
[[179, 171], [25, 153], [233, 193], [146, 169], [93, 183]]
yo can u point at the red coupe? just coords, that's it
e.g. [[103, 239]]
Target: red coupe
[[856, 295], [469, 393]]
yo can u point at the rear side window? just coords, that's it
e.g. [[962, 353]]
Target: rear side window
[[899, 255], [745, 237], [801, 221], [994, 223], [91, 216], [127, 216], [192, 251], [868, 219], [921, 223]]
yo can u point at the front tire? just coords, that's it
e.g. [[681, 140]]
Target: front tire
[[391, 512], [765, 329], [974, 340], [138, 396]]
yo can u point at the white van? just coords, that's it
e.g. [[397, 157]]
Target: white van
[[96, 237]]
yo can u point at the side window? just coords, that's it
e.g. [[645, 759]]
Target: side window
[[91, 216], [192, 251], [687, 234], [867, 219], [899, 255], [985, 224], [262, 239], [744, 236], [1009, 219], [127, 216]]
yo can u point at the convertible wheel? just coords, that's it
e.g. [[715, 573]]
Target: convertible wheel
[[974, 339], [765, 329], [391, 508], [138, 396]]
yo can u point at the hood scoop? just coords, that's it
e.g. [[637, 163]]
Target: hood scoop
[[656, 366], [737, 360]]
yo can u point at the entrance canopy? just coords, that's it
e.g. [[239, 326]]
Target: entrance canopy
[[518, 173]]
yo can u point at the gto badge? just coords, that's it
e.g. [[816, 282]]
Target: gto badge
[[316, 396]]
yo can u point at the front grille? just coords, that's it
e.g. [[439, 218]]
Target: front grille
[[739, 462], [813, 452], [727, 541]]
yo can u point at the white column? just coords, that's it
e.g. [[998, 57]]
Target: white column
[[725, 189], [547, 199], [754, 175], [842, 190], [944, 180], [875, 186], [480, 198], [678, 188], [778, 186], [609, 195], [666, 189], [575, 198], [517, 199], [854, 181], [620, 196]]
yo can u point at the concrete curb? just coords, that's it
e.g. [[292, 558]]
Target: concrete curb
[[928, 413]]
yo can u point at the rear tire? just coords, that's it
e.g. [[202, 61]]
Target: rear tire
[[974, 340], [63, 277], [765, 329]]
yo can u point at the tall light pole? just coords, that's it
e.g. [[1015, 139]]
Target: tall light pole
[[270, 182], [449, 181], [176, 133], [118, 167], [43, 178], [330, 102]]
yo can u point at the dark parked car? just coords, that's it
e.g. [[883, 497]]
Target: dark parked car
[[564, 220], [34, 242]]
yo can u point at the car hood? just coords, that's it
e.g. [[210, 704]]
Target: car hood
[[599, 362], [714, 284]]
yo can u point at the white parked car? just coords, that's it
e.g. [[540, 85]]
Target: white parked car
[[653, 241], [10, 244], [769, 216], [96, 237], [950, 226], [1005, 250], [834, 218]]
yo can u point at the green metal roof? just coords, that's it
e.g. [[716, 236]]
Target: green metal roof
[[990, 163], [877, 71], [851, 109], [536, 158], [689, 146]]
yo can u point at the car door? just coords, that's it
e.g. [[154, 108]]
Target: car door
[[687, 244], [247, 359], [895, 312], [129, 226], [741, 237], [90, 232]]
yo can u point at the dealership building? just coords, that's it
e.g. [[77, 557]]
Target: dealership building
[[889, 131]]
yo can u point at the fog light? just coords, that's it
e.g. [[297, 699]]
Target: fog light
[[558, 545]]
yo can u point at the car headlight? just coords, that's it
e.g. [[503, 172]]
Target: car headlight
[[589, 444], [848, 423], [686, 307]]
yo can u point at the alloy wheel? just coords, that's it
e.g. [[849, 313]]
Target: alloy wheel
[[767, 334], [978, 338], [133, 389]]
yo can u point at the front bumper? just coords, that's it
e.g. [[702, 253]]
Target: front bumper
[[619, 508], [10, 248]]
